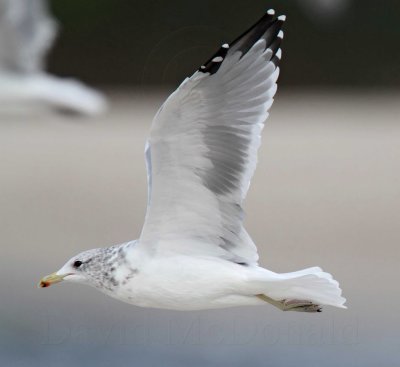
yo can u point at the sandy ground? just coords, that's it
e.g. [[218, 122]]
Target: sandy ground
[[326, 192]]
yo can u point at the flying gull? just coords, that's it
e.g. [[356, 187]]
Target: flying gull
[[26, 33], [193, 252]]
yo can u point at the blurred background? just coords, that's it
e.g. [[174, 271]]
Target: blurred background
[[328, 43], [326, 191]]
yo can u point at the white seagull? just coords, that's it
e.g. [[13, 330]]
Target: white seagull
[[26, 33], [193, 252]]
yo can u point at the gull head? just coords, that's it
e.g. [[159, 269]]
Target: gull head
[[89, 267]]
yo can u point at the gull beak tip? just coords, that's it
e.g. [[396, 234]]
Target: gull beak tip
[[42, 284]]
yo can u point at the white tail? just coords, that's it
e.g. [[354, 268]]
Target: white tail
[[310, 284]]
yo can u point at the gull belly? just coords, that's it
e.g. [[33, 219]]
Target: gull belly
[[186, 283]]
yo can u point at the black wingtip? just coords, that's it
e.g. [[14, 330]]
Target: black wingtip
[[269, 28], [215, 61]]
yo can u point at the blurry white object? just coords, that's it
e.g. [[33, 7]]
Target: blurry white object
[[30, 89], [26, 33]]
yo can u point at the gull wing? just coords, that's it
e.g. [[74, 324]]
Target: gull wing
[[202, 149]]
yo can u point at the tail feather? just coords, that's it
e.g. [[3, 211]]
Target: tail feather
[[310, 284]]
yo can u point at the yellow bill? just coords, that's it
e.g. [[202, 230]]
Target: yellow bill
[[48, 280]]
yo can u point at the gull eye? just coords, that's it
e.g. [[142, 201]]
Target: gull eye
[[77, 264]]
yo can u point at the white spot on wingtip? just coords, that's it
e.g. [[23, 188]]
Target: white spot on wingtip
[[271, 12], [217, 59], [282, 17], [225, 45], [279, 54], [280, 34], [202, 67]]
